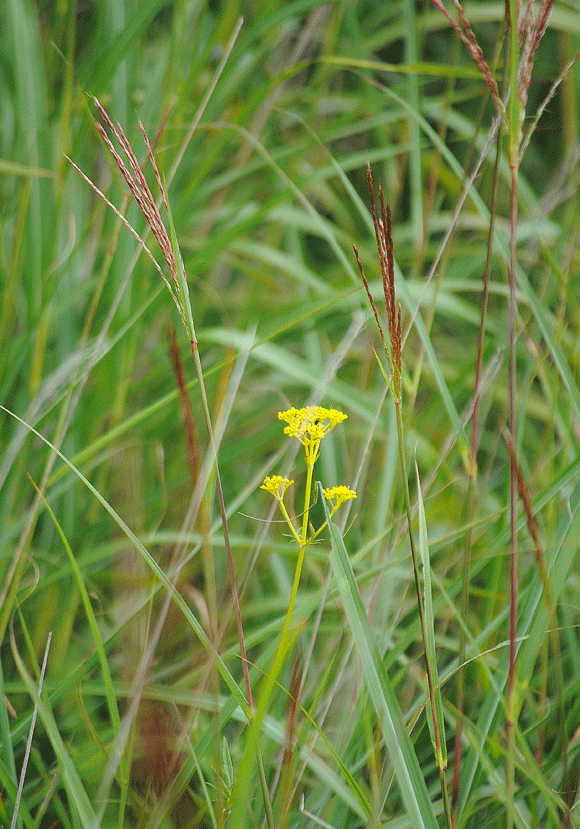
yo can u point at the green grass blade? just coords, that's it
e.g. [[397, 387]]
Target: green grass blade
[[533, 626], [7, 764], [104, 63], [179, 600], [74, 786], [107, 679], [402, 754], [430, 634]]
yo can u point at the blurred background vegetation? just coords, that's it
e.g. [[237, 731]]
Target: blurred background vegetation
[[267, 200]]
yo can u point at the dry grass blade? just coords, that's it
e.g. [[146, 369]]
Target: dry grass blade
[[30, 733]]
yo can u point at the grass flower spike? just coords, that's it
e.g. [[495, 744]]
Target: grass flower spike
[[384, 238]]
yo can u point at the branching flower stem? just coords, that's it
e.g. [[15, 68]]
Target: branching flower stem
[[310, 425], [299, 564]]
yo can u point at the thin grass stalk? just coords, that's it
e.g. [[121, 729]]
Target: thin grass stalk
[[514, 113], [183, 294], [194, 461], [429, 667], [219, 490], [184, 306], [551, 608], [179, 291], [393, 351], [473, 471], [75, 789], [30, 735], [205, 529], [414, 161]]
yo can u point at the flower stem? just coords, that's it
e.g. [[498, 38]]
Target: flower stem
[[299, 563]]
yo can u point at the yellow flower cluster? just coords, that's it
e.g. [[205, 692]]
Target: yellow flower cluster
[[276, 485], [310, 424], [337, 495]]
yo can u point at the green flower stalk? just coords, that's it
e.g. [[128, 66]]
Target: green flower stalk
[[310, 425]]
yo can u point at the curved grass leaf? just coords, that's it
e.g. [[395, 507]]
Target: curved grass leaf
[[401, 752]]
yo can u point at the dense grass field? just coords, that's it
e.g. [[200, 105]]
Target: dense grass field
[[217, 642]]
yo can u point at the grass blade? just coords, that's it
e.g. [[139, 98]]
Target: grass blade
[[179, 600], [401, 752], [74, 786], [532, 626], [438, 745]]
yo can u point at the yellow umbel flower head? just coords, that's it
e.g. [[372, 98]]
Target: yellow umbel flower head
[[276, 485], [310, 424], [337, 495]]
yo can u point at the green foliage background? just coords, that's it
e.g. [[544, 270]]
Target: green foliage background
[[267, 201]]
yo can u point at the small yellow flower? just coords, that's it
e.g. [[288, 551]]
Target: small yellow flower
[[276, 485], [337, 495], [310, 424]]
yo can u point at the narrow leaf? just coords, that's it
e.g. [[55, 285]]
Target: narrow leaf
[[402, 754], [438, 744]]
